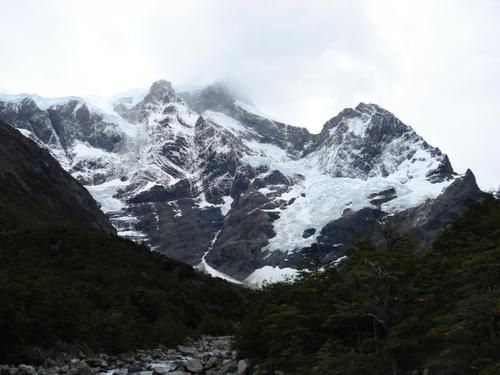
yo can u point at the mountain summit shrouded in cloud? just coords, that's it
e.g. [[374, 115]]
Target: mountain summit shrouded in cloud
[[209, 179]]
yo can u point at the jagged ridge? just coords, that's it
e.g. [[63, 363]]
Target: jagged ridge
[[205, 177]]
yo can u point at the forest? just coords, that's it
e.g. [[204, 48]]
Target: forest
[[388, 308], [384, 308], [78, 286]]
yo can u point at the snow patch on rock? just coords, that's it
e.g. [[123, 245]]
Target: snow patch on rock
[[104, 194], [269, 274]]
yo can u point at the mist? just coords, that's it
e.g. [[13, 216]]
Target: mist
[[436, 65]]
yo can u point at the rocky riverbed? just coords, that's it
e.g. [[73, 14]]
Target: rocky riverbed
[[207, 355]]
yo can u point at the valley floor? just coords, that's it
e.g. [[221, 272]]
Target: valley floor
[[207, 355]]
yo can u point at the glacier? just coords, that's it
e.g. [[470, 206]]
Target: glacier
[[209, 179]]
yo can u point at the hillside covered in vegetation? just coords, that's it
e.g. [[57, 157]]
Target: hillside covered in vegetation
[[66, 277], [389, 308], [93, 288], [90, 287]]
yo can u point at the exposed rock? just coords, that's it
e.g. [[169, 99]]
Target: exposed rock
[[79, 368], [309, 232], [161, 370], [194, 366], [207, 355], [228, 366], [384, 196], [243, 366], [357, 142], [203, 171], [96, 362], [45, 188], [341, 232], [187, 350], [26, 370], [427, 219], [245, 232], [212, 362]]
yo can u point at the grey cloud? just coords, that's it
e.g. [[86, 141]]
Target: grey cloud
[[434, 64]]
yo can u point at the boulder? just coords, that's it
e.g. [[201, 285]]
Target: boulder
[[187, 350], [243, 366], [26, 370], [213, 362], [308, 232], [79, 368], [96, 362], [160, 370], [194, 366], [228, 366]]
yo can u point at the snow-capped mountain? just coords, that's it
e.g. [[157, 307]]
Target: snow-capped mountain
[[208, 179]]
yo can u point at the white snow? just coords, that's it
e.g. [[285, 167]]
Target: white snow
[[203, 203], [203, 266], [265, 154], [132, 234], [103, 194], [358, 125], [125, 126], [149, 185], [188, 116], [83, 151], [265, 191], [405, 159], [340, 260], [42, 103], [253, 110], [269, 274], [103, 107], [99, 105], [226, 206], [25, 132], [327, 197], [225, 121], [132, 97]]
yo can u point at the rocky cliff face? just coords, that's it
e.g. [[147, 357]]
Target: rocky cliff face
[[369, 141], [34, 189], [208, 179]]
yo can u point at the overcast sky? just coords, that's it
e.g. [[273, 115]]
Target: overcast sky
[[435, 64]]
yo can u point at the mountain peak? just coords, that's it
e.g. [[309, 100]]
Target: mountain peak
[[368, 141], [253, 186], [370, 108], [135, 108], [216, 97], [365, 120], [367, 108], [161, 84], [160, 91]]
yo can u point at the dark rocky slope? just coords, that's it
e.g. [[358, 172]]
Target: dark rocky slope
[[35, 189]]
